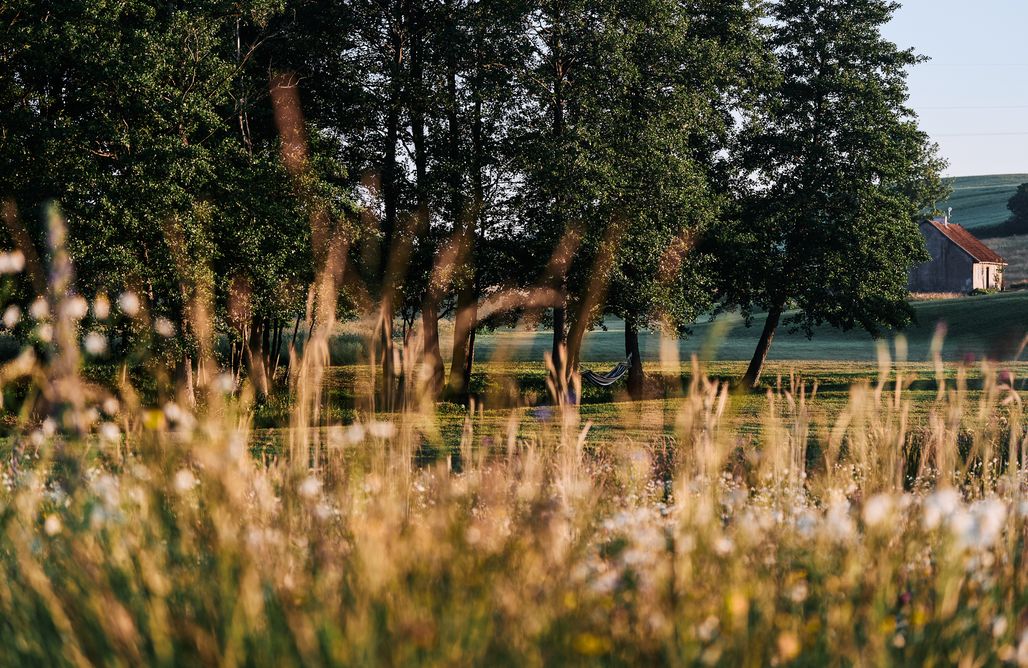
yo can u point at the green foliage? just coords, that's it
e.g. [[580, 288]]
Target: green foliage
[[839, 173]]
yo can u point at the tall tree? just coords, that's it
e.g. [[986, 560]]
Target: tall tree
[[837, 173], [667, 79]]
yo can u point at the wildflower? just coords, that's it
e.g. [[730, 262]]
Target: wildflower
[[981, 525], [381, 429], [12, 315], [838, 522], [310, 487], [938, 506], [999, 627], [798, 593], [110, 432], [128, 302], [226, 382], [39, 309], [706, 630], [184, 480], [1022, 650], [723, 546], [878, 509], [49, 427], [172, 412], [164, 327], [788, 646], [111, 406], [52, 525], [355, 433], [75, 308], [12, 263], [45, 332], [101, 307], [95, 343]]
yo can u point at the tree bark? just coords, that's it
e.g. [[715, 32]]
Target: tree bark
[[469, 360], [432, 357], [255, 362], [752, 377], [463, 330], [559, 336], [635, 368]]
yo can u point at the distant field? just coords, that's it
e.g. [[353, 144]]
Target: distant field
[[988, 326], [1015, 251], [981, 201]]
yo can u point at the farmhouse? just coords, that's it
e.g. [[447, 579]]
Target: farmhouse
[[960, 262]]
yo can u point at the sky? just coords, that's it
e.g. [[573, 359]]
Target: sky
[[972, 97]]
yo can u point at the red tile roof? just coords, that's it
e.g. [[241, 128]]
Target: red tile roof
[[967, 241]]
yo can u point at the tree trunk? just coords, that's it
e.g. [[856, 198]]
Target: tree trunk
[[559, 69], [186, 386], [255, 360], [463, 329], [432, 357], [635, 368], [559, 335], [276, 348], [390, 194], [469, 360], [266, 343], [752, 377]]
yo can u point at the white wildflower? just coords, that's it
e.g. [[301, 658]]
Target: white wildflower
[[45, 332], [49, 427], [226, 383], [12, 263], [1022, 650], [939, 506], [110, 432], [381, 429], [95, 343], [101, 307], [164, 327], [184, 480], [39, 309], [355, 433], [310, 487], [75, 307], [723, 546], [128, 302], [52, 525], [111, 406], [12, 316], [878, 509], [838, 523]]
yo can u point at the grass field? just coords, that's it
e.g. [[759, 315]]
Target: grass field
[[990, 326], [981, 201], [1014, 250]]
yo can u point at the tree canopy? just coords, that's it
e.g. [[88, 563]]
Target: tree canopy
[[651, 160]]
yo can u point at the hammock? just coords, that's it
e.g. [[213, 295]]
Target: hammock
[[609, 378]]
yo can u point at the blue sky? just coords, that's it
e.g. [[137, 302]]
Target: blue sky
[[972, 97]]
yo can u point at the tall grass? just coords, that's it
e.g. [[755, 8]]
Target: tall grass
[[154, 535]]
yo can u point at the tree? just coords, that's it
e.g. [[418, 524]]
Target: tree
[[142, 120], [1018, 206], [837, 174], [667, 78]]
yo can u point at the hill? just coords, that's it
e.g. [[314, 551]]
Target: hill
[[981, 201], [987, 326]]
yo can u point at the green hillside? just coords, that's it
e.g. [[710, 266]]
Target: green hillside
[[981, 201], [991, 326]]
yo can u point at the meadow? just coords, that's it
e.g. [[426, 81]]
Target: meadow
[[848, 513], [981, 201]]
